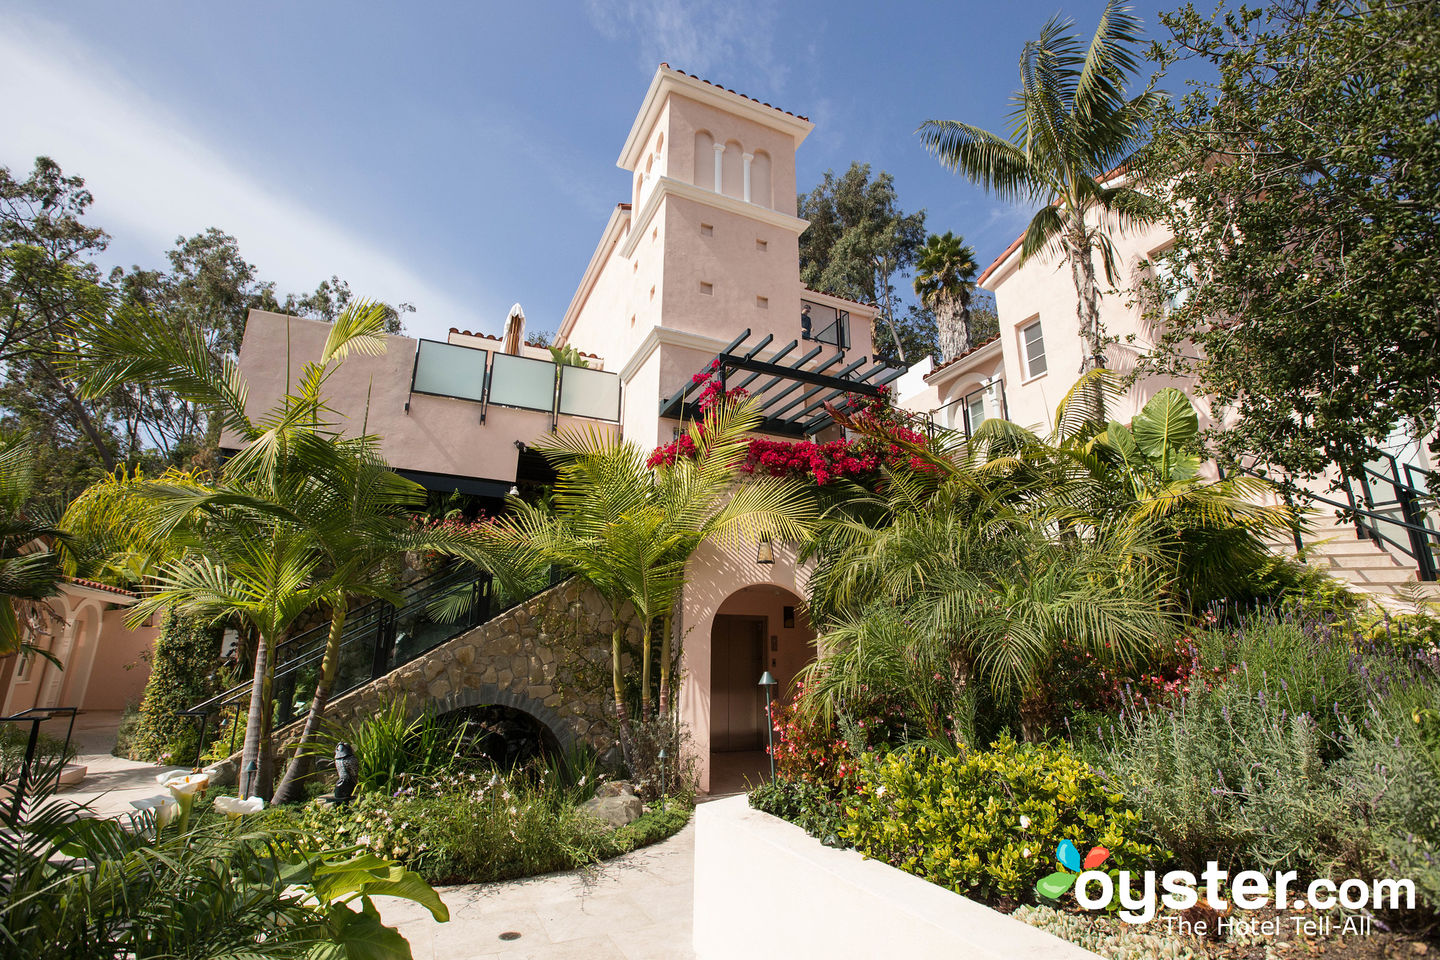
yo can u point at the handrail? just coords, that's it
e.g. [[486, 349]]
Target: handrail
[[1422, 539], [36, 716], [378, 636]]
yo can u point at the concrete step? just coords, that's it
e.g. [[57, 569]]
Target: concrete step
[[1388, 576], [1369, 560]]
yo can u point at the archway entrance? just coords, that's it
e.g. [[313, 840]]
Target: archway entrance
[[757, 628]]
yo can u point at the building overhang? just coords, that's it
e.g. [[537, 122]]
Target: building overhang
[[953, 369], [667, 81], [793, 394]]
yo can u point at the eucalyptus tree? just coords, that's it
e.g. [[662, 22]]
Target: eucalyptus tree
[[1072, 127]]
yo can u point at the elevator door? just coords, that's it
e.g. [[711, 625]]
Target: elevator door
[[737, 702]]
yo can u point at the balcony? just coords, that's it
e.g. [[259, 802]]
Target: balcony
[[824, 324]]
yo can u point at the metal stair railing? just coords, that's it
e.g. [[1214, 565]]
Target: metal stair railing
[[1368, 497], [377, 639]]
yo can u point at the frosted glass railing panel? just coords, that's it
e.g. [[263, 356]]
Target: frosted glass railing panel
[[589, 393], [450, 370], [522, 382]]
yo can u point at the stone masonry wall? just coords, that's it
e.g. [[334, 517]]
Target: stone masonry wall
[[549, 656]]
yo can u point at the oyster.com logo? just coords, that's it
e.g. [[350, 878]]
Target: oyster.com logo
[[1056, 885]]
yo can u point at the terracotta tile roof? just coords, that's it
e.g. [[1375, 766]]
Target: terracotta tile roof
[[736, 92], [961, 356], [528, 343], [822, 293], [94, 585]]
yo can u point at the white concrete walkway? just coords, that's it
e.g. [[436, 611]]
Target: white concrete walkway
[[635, 907], [110, 782]]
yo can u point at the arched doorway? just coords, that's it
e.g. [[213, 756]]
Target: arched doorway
[[756, 629]]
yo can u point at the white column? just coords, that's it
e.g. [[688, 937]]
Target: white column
[[719, 166], [747, 157]]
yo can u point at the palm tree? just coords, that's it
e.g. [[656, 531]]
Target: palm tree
[[30, 573], [628, 531], [944, 281], [253, 546], [1072, 126]]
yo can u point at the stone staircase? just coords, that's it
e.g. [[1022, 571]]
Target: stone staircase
[[1337, 548]]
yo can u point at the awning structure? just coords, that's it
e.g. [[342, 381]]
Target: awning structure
[[792, 391]]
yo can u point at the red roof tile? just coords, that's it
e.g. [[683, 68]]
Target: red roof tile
[[961, 356], [737, 93], [94, 585]]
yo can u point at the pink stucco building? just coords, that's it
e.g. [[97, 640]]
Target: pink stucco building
[[700, 262]]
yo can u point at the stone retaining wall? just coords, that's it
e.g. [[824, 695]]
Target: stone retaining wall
[[549, 656]]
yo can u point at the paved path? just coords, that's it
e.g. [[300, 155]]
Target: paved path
[[110, 782], [635, 907]]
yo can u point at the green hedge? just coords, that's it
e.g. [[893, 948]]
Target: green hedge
[[986, 823], [186, 654]]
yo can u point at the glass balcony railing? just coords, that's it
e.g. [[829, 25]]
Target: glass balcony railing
[[824, 324], [478, 375]]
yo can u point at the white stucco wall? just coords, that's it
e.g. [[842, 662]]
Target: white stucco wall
[[764, 888]]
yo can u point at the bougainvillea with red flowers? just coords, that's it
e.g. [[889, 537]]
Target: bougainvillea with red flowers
[[858, 460]]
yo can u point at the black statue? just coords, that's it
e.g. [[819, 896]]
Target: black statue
[[347, 769], [347, 773]]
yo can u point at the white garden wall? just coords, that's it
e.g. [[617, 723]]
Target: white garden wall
[[764, 888]]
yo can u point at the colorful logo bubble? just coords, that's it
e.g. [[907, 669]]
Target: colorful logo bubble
[[1057, 884]]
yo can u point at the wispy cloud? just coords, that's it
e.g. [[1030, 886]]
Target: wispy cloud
[[153, 179], [719, 39]]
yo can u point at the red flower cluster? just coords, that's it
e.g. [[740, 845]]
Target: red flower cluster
[[806, 752]]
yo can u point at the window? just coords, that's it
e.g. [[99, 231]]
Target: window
[[1177, 291], [707, 289], [974, 412], [1032, 341], [763, 303], [761, 246], [707, 230]]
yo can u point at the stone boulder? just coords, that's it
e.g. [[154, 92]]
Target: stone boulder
[[614, 804]]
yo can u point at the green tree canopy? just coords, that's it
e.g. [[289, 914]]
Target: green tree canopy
[[1302, 186], [858, 242]]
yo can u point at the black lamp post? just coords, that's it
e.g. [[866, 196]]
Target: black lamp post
[[765, 553], [767, 682]]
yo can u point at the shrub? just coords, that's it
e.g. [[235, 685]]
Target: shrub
[[1299, 657], [394, 746], [986, 822], [184, 661], [1229, 775], [480, 827], [814, 807]]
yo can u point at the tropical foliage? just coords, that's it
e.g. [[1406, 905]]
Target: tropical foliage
[[628, 530], [83, 887], [300, 517], [29, 574]]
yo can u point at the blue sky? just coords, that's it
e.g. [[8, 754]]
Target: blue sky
[[461, 156]]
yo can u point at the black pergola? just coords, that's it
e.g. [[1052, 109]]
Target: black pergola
[[792, 396]]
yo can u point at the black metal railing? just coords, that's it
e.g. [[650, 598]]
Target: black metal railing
[[1398, 510], [1389, 506], [33, 774], [377, 638]]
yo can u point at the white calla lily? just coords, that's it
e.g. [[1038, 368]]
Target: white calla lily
[[235, 808]]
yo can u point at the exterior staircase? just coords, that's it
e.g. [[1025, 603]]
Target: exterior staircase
[[1338, 548]]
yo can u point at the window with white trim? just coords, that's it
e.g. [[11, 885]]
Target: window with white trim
[[1032, 343]]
